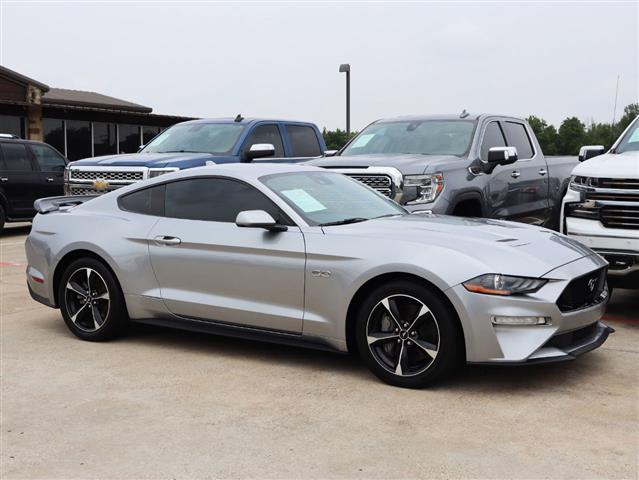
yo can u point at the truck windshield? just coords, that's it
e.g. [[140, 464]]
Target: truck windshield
[[630, 141], [328, 198], [426, 137], [216, 138]]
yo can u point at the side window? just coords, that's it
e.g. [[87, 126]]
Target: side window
[[215, 200], [518, 137], [148, 201], [48, 158], [268, 133], [493, 137], [304, 141], [16, 157]]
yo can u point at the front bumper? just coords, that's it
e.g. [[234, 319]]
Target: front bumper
[[505, 344]]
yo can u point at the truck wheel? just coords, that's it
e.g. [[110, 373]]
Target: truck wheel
[[91, 301], [408, 336]]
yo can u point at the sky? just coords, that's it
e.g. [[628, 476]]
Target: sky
[[281, 59]]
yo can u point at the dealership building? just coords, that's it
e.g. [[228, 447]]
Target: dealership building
[[79, 124]]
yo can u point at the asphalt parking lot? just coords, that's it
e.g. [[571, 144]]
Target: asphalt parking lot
[[168, 404]]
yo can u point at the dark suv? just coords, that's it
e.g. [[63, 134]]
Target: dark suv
[[28, 170]]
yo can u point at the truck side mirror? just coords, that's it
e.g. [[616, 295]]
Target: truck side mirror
[[259, 150], [589, 151]]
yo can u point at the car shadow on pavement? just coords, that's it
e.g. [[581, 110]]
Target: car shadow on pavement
[[17, 232]]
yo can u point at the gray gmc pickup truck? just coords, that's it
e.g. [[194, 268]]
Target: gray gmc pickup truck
[[467, 165]]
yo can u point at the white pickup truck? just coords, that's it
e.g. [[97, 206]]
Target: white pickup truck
[[601, 206]]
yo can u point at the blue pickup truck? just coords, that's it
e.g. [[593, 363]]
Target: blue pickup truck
[[197, 143]]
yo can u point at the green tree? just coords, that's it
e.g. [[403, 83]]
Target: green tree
[[546, 134], [600, 134], [336, 139], [630, 112], [571, 136]]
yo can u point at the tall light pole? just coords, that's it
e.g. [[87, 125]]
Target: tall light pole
[[346, 68]]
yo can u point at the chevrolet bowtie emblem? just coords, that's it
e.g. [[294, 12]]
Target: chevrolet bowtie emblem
[[100, 184]]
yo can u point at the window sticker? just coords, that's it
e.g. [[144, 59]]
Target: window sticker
[[362, 140], [303, 200]]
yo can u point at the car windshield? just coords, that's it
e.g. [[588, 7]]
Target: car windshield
[[323, 198], [216, 138], [426, 137], [630, 141]]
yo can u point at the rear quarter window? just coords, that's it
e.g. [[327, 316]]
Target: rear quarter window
[[148, 201]]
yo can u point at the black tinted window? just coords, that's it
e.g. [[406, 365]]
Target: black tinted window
[[48, 159], [16, 157], [493, 137], [517, 137], [266, 134], [149, 201], [215, 200], [303, 141]]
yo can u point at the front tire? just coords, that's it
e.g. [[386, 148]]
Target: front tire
[[408, 336], [91, 301]]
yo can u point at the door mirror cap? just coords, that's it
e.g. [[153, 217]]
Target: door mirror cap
[[502, 155], [330, 153], [258, 219], [260, 150], [589, 151]]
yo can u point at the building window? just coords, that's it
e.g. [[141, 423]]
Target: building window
[[129, 138], [78, 139], [12, 125], [53, 133], [104, 142], [149, 132]]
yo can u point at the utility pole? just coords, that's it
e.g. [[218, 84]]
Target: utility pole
[[346, 68], [614, 110]]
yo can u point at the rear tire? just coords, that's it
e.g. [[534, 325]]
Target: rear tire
[[408, 336], [91, 301]]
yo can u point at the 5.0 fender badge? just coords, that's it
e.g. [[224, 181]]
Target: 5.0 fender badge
[[321, 273]]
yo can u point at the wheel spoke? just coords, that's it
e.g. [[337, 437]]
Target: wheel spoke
[[89, 288], [74, 317], [422, 311], [382, 337], [428, 348], [400, 358], [74, 287], [104, 296], [387, 306], [97, 318]]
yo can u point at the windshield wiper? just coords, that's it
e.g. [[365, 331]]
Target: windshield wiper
[[389, 215], [346, 221], [182, 151]]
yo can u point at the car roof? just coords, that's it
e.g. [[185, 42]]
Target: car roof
[[448, 116], [243, 121]]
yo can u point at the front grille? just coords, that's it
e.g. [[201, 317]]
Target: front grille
[[620, 183], [108, 175], [584, 291], [382, 183], [74, 190], [619, 197], [613, 216]]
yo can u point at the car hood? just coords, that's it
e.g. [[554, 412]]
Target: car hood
[[142, 159], [610, 165], [407, 164], [484, 245]]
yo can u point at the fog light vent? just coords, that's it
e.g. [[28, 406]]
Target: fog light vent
[[502, 320]]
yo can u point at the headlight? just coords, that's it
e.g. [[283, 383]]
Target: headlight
[[580, 183], [67, 173], [428, 187], [497, 284], [156, 172]]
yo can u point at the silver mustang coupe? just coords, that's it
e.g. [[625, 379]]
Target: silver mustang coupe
[[301, 255]]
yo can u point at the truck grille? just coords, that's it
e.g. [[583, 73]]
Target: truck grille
[[108, 175], [85, 191], [620, 183], [618, 197], [584, 291], [382, 183], [620, 216]]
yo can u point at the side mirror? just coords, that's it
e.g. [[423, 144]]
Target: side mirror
[[502, 156], [258, 219], [259, 150], [330, 153], [590, 151]]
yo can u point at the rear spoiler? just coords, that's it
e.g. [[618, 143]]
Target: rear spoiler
[[53, 204]]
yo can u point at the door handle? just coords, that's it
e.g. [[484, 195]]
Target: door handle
[[515, 174], [543, 171], [49, 179], [167, 240], [4, 179]]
